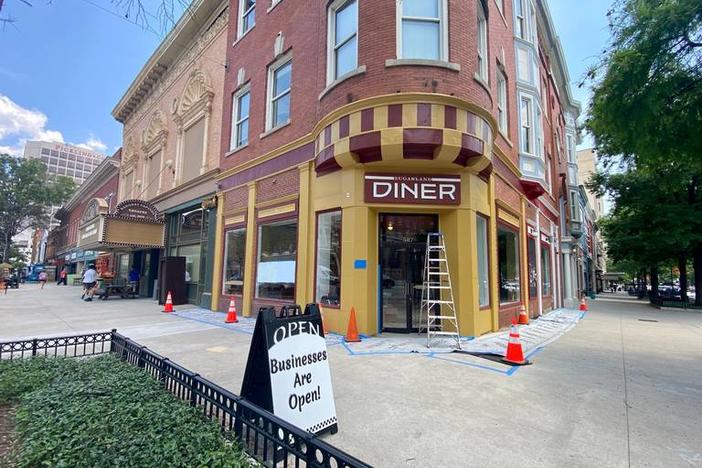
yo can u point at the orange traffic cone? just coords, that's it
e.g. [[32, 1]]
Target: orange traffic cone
[[523, 317], [169, 303], [352, 331], [324, 324], [515, 355], [231, 314], [583, 305]]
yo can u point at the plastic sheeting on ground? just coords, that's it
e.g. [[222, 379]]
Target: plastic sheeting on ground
[[244, 325], [538, 333]]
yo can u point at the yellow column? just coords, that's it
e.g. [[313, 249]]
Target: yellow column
[[304, 232], [250, 259], [358, 286], [219, 235], [494, 273], [524, 258], [458, 227]]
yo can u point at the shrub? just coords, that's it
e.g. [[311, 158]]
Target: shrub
[[104, 412]]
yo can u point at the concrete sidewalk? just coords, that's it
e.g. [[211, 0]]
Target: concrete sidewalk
[[614, 391]]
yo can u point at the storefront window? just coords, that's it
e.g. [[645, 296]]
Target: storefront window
[[483, 278], [508, 264], [192, 262], [277, 252], [329, 258], [533, 280], [546, 269], [234, 253]]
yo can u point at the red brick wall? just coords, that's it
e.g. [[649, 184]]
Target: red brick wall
[[72, 220], [303, 24], [287, 183]]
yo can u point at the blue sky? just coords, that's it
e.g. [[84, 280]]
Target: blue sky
[[64, 64]]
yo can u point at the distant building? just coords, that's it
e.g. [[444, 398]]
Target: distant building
[[66, 160], [60, 159], [587, 166]]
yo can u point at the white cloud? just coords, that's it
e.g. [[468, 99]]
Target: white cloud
[[19, 124], [94, 144]]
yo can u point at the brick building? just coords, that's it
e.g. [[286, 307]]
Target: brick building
[[172, 117], [62, 247], [351, 129]]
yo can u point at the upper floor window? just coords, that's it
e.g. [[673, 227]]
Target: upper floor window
[[240, 119], [482, 43], [502, 101], [570, 148], [193, 148], [520, 20], [525, 117], [128, 185], [279, 86], [343, 38], [247, 16], [423, 30]]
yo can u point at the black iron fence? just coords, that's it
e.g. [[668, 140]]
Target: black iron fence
[[264, 436], [66, 346]]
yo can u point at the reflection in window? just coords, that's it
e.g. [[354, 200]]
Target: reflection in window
[[482, 43], [343, 20], [508, 264], [279, 106], [483, 278], [329, 258], [277, 253], [546, 269], [247, 12], [533, 280], [234, 254], [421, 29], [240, 119]]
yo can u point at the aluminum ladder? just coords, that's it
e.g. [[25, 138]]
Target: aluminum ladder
[[437, 294]]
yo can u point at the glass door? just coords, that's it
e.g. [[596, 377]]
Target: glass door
[[401, 254]]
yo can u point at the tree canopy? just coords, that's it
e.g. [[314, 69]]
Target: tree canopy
[[27, 193], [646, 115]]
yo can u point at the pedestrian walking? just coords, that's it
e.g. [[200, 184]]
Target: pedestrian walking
[[89, 282], [134, 279], [42, 278], [63, 277]]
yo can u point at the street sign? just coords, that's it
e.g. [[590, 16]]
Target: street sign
[[287, 371]]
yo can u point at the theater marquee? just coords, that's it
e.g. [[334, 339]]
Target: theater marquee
[[412, 189]]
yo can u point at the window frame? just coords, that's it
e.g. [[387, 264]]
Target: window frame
[[272, 222], [502, 102], [227, 230], [235, 121], [483, 68], [316, 253], [443, 31], [501, 225], [272, 69], [332, 46], [486, 219], [240, 20], [546, 248], [530, 143]]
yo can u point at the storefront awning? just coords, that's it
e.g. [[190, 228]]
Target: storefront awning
[[135, 224]]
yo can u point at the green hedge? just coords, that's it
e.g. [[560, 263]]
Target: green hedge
[[102, 412]]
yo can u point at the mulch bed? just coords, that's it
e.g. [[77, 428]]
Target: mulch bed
[[7, 431]]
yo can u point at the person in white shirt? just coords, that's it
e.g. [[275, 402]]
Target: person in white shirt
[[90, 282]]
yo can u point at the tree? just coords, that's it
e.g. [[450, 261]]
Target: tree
[[646, 115], [26, 195]]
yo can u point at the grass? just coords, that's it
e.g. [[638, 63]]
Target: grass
[[104, 412]]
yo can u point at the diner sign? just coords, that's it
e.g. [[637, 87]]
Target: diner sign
[[413, 189]]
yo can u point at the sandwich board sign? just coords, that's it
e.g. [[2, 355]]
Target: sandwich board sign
[[287, 372]]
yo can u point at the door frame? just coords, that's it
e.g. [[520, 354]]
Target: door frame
[[408, 300]]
